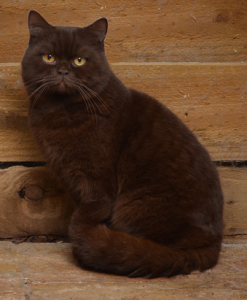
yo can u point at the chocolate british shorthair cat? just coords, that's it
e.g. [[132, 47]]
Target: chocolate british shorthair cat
[[148, 201]]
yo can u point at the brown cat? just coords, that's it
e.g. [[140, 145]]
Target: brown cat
[[147, 195]]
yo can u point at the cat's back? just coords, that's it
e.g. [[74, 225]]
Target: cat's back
[[147, 119], [159, 146]]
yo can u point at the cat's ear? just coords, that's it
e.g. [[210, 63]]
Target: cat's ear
[[36, 23], [99, 28]]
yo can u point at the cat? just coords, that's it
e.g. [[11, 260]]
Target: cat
[[147, 196]]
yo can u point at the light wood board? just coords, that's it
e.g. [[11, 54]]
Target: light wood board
[[140, 31], [210, 98]]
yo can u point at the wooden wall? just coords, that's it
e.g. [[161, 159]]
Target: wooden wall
[[191, 55]]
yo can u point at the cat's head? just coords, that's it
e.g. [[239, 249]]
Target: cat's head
[[65, 60]]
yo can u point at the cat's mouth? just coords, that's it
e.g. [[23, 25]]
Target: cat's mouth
[[62, 85]]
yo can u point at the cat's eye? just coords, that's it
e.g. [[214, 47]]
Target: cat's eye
[[49, 58], [79, 61]]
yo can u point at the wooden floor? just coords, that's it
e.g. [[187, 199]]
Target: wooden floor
[[47, 271]]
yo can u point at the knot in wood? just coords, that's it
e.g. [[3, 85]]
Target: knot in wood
[[222, 17], [32, 192]]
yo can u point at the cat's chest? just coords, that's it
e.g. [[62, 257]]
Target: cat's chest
[[67, 138], [66, 127], [59, 118]]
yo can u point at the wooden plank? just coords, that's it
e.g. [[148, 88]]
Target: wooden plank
[[140, 31], [33, 204], [234, 184], [48, 271], [209, 98]]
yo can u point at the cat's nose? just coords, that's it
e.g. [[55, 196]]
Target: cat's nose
[[63, 72]]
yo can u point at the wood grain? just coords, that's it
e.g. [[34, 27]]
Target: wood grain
[[48, 271], [25, 211], [32, 203], [210, 98], [234, 185], [140, 31]]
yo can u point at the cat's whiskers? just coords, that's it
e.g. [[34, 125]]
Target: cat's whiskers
[[88, 98], [85, 98], [35, 91], [92, 93], [91, 103], [36, 81], [91, 100], [107, 107], [39, 91], [88, 95], [88, 102]]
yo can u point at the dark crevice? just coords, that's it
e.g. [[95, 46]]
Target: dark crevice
[[29, 164], [21, 193], [238, 235], [231, 163], [37, 239]]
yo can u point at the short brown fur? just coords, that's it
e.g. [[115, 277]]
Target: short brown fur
[[147, 195]]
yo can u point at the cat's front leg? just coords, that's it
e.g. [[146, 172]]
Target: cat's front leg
[[94, 197]]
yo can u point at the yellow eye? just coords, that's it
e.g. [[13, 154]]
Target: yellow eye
[[79, 61], [49, 58]]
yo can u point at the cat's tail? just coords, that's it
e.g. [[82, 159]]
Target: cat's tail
[[102, 249]]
